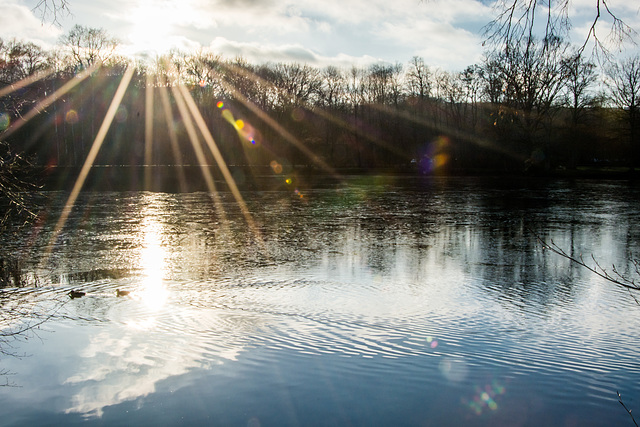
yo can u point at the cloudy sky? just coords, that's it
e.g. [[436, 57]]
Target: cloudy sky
[[446, 33]]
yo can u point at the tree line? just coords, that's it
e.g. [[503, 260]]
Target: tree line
[[532, 104]]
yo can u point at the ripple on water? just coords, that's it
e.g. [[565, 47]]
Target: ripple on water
[[221, 319]]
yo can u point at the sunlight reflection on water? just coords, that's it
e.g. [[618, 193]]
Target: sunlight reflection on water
[[152, 261], [374, 306]]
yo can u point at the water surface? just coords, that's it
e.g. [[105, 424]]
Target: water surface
[[375, 301]]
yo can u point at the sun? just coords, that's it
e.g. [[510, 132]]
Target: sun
[[154, 25]]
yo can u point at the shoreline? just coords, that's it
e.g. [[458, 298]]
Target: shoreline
[[172, 178]]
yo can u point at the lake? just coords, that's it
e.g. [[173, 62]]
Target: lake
[[370, 301]]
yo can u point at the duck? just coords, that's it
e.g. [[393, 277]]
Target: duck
[[76, 294], [122, 293]]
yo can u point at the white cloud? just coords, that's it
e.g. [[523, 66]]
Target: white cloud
[[18, 21], [261, 53]]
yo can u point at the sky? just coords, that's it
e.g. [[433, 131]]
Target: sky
[[446, 33]]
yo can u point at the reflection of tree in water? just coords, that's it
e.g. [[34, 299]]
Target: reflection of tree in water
[[11, 274], [22, 313]]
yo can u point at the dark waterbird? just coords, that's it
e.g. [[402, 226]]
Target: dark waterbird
[[122, 293], [76, 294]]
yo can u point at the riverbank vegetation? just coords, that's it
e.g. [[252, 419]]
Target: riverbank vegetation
[[536, 105]]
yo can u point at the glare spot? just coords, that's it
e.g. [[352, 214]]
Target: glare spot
[[121, 114], [239, 124], [71, 117], [453, 369], [433, 343], [297, 114], [203, 83], [4, 121], [485, 398], [288, 181], [440, 160], [220, 104], [277, 167], [434, 156], [228, 116]]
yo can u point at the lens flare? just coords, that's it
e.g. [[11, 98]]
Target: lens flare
[[434, 156], [88, 163], [220, 104], [273, 124], [71, 117], [485, 398], [277, 167], [121, 114], [190, 126], [297, 114], [222, 166], [454, 369], [5, 121], [245, 130], [44, 103], [228, 116]]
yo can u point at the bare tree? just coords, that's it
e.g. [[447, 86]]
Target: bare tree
[[526, 78], [16, 188], [624, 88], [382, 84], [205, 70], [20, 59], [518, 20], [333, 90], [580, 76], [418, 79], [297, 84], [88, 46]]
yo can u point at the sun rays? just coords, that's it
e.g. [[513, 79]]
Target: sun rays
[[199, 135], [172, 102], [44, 103], [192, 119], [88, 163]]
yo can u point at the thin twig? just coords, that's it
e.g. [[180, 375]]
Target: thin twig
[[598, 270], [626, 409]]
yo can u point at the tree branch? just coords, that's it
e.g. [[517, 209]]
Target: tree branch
[[616, 278], [53, 9]]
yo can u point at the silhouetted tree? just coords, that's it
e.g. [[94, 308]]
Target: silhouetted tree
[[624, 87], [580, 77], [530, 76], [418, 78], [87, 46], [519, 20]]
